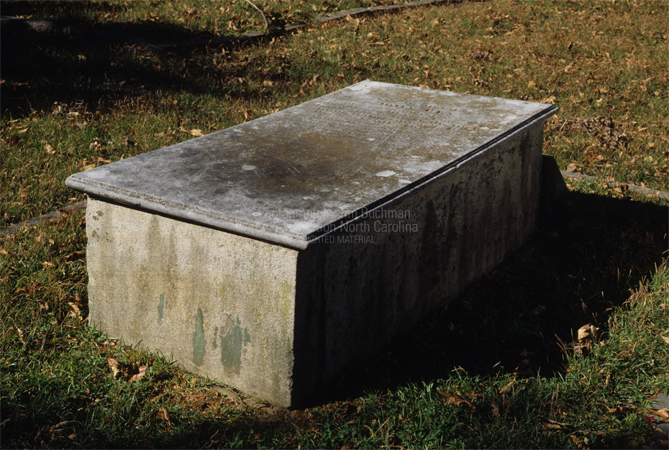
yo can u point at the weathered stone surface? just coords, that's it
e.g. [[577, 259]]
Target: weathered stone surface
[[218, 303], [293, 176], [366, 293], [271, 254]]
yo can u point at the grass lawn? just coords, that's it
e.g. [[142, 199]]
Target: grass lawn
[[502, 367]]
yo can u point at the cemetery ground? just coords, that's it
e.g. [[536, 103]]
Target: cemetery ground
[[563, 345]]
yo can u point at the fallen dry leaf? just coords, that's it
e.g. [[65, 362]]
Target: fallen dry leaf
[[129, 373], [453, 399], [196, 132], [665, 339], [621, 189], [580, 443], [621, 409], [114, 365], [162, 415], [141, 371], [586, 332], [548, 424], [495, 408], [508, 386], [663, 413], [75, 310]]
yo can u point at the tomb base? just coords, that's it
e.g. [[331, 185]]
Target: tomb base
[[279, 312]]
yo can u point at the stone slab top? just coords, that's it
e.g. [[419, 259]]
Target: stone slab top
[[296, 175]]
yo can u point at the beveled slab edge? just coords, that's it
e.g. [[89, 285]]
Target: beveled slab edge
[[255, 230], [176, 211]]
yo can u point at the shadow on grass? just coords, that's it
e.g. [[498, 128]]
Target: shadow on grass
[[98, 64], [518, 318], [91, 63], [39, 69]]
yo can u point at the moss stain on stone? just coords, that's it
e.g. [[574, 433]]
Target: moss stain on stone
[[161, 306], [231, 346], [198, 339]]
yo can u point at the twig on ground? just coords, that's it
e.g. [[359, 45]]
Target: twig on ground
[[264, 19], [54, 215]]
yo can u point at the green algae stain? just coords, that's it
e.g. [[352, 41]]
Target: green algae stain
[[231, 346], [198, 339], [161, 306]]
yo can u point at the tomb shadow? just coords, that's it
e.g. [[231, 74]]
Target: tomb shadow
[[517, 319], [77, 61]]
